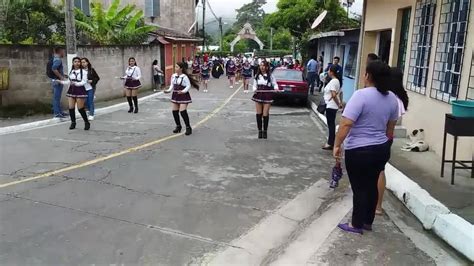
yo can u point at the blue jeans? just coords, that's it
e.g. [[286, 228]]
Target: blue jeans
[[57, 92], [311, 80], [90, 101]]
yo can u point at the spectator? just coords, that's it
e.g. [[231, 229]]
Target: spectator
[[369, 116], [91, 85], [372, 57], [396, 86], [157, 75], [319, 71], [57, 73], [312, 67], [335, 62], [333, 103]]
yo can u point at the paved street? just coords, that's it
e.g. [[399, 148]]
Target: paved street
[[131, 192]]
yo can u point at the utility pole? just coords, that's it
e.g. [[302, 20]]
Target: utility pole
[[70, 33], [271, 39], [222, 34], [203, 25]]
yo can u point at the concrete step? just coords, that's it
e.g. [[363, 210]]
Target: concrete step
[[400, 132]]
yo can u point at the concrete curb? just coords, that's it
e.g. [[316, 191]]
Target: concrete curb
[[55, 121], [453, 229]]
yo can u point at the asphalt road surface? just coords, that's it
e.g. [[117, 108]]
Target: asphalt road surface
[[130, 192]]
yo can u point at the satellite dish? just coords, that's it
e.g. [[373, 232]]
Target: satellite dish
[[319, 19]]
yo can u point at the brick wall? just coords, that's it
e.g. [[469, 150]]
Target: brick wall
[[27, 64]]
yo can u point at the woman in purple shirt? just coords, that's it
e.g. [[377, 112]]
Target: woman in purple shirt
[[367, 123]]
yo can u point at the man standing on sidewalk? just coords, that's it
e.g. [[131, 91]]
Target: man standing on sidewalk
[[312, 68], [57, 73]]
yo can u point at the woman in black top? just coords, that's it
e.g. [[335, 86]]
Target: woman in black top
[[92, 80]]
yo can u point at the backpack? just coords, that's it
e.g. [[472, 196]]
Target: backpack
[[49, 69]]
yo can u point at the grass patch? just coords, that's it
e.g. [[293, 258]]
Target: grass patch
[[22, 110]]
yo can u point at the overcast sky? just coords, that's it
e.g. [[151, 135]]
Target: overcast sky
[[226, 8]]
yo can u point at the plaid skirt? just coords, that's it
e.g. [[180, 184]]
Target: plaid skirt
[[132, 84], [76, 92], [263, 97], [181, 98]]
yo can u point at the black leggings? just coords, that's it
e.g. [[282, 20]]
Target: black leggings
[[363, 168], [331, 119]]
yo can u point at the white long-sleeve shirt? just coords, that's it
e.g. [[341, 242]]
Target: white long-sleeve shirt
[[181, 79], [262, 81], [133, 72], [75, 74]]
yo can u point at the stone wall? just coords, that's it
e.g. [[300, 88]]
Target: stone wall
[[27, 66], [175, 14]]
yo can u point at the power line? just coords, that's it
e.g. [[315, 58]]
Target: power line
[[212, 11]]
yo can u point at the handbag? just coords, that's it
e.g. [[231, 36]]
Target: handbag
[[322, 107]]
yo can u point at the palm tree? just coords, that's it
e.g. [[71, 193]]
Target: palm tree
[[113, 26]]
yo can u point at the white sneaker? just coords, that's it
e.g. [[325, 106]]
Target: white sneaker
[[231, 87], [205, 91], [91, 117]]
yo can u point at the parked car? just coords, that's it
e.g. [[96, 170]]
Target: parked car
[[291, 81]]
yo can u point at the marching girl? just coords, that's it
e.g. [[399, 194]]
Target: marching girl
[[181, 83], [132, 84], [264, 86], [205, 74], [238, 72], [196, 68], [77, 94], [230, 70], [247, 75]]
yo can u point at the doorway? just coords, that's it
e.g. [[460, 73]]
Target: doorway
[[385, 41]]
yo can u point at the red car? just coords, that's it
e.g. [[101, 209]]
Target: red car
[[291, 81]]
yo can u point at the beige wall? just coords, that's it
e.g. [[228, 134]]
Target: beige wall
[[382, 14], [424, 111], [28, 82]]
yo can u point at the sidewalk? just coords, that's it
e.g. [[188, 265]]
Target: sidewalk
[[424, 168], [415, 180]]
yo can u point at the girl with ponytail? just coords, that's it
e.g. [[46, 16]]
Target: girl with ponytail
[[181, 83]]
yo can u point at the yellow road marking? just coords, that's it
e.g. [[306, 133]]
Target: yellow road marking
[[120, 153]]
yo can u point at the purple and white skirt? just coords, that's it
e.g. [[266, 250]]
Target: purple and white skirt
[[263, 96], [181, 98], [131, 84], [76, 92]]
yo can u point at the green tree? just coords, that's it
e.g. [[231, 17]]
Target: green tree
[[113, 26], [209, 39], [298, 15], [252, 13], [33, 22]]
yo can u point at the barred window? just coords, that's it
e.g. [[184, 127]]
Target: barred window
[[403, 45], [470, 89], [421, 45], [350, 68], [450, 50]]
